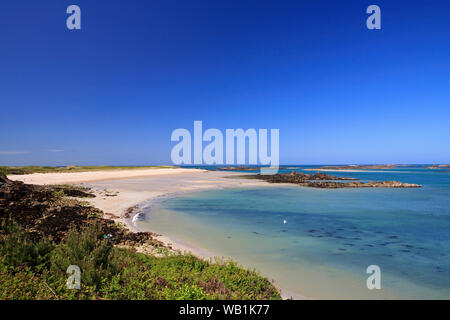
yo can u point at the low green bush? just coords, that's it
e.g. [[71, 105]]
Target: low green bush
[[88, 250], [30, 270], [18, 250]]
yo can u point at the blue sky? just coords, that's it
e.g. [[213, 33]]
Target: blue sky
[[113, 92]]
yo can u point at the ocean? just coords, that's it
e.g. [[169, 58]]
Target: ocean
[[318, 243]]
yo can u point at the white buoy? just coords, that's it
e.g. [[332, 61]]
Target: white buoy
[[285, 221]]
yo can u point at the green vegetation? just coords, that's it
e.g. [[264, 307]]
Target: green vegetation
[[44, 230], [37, 270], [38, 169]]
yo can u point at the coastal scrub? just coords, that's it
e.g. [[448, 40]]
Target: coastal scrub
[[42, 233]]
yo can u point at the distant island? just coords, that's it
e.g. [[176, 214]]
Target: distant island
[[334, 168], [439, 166], [250, 168], [356, 167], [321, 180]]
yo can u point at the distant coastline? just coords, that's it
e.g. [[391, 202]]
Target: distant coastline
[[439, 166], [360, 167]]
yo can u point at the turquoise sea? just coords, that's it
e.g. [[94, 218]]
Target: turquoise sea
[[318, 243]]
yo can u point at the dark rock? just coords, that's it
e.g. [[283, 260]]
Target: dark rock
[[322, 180], [42, 212], [3, 178]]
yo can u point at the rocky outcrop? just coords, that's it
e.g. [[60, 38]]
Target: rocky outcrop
[[358, 184], [3, 178], [45, 211], [298, 177], [321, 180]]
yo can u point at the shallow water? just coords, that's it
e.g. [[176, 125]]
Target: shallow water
[[330, 236]]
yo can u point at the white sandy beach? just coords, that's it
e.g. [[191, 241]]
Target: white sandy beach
[[118, 190]]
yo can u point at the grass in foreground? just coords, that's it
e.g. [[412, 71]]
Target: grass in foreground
[[37, 270]]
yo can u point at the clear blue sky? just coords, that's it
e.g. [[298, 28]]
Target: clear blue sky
[[113, 92]]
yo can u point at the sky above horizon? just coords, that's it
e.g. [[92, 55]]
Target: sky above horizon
[[113, 92]]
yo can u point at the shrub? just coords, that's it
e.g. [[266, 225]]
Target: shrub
[[88, 250], [37, 270], [18, 250]]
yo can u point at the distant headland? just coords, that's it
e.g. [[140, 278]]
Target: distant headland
[[439, 166], [355, 166]]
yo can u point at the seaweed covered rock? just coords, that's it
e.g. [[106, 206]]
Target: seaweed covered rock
[[322, 180], [45, 211], [3, 178]]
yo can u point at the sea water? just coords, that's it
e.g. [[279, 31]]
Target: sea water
[[318, 243]]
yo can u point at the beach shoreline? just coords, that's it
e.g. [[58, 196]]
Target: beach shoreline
[[118, 195]]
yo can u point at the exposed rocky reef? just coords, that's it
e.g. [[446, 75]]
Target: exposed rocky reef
[[321, 180], [298, 177], [47, 211]]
